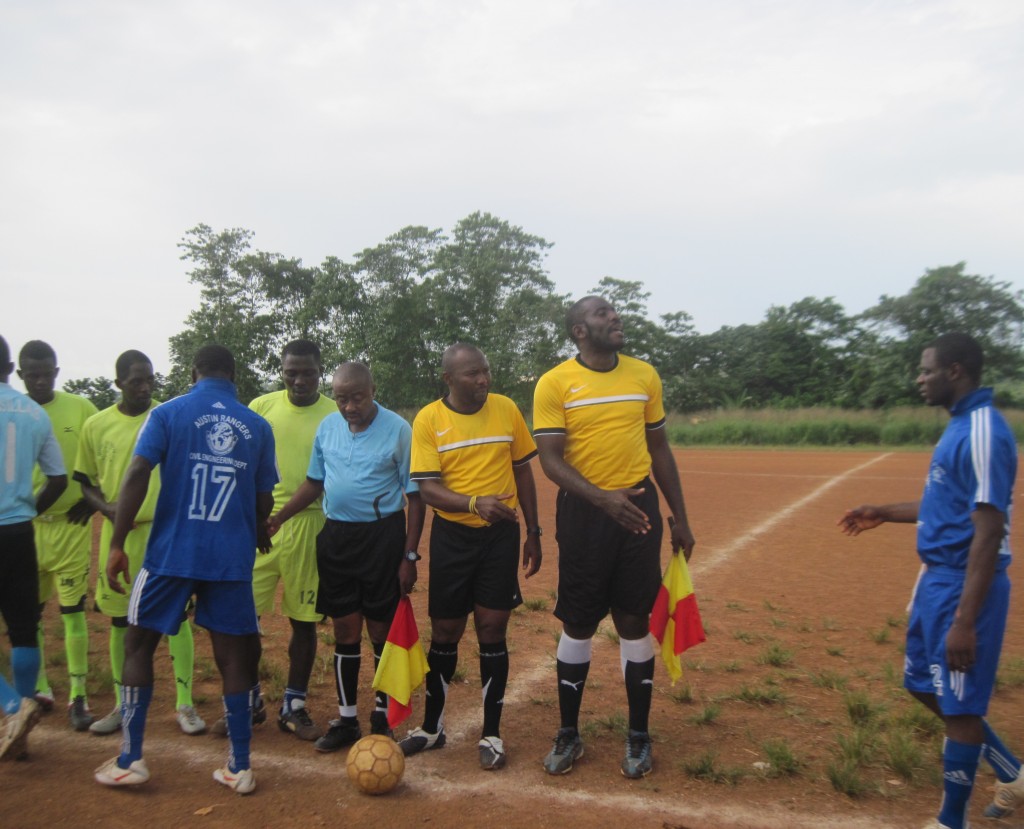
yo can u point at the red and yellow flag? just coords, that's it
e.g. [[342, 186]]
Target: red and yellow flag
[[403, 664], [675, 619]]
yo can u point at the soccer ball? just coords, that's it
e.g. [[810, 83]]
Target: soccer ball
[[375, 764]]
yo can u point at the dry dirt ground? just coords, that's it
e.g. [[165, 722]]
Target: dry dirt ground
[[803, 625]]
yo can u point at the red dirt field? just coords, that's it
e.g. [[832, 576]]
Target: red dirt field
[[777, 583]]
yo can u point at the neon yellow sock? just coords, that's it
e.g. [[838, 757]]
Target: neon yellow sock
[[183, 658], [76, 644], [117, 658], [42, 684]]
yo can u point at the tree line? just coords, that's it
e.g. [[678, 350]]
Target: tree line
[[398, 305]]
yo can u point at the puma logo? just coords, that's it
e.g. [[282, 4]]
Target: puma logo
[[576, 686]]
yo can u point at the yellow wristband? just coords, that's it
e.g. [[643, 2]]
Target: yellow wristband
[[472, 504]]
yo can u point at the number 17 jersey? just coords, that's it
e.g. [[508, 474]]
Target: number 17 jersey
[[214, 455]]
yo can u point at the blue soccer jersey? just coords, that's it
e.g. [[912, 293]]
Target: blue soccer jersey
[[975, 462], [214, 455], [26, 438], [365, 474]]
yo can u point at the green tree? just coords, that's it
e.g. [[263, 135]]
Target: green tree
[[100, 390]]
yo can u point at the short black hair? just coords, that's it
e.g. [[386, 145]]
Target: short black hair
[[214, 359], [301, 348], [36, 350], [574, 316], [960, 348], [457, 348], [127, 360], [5, 353]]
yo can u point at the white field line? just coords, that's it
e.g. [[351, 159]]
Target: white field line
[[707, 562]]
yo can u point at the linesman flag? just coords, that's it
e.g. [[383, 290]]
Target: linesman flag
[[403, 664], [675, 619]]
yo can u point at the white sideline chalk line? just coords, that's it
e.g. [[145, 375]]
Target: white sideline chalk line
[[703, 564]]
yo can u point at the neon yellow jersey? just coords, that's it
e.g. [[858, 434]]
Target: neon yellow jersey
[[106, 450], [67, 413], [294, 429], [604, 415], [472, 454]]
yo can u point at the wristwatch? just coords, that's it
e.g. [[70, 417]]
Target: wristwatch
[[412, 555], [534, 531]]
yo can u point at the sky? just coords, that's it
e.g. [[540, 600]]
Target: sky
[[730, 156]]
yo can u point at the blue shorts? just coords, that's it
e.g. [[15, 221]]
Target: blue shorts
[[925, 669], [221, 606]]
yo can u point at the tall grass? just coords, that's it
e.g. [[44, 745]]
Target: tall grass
[[904, 426]]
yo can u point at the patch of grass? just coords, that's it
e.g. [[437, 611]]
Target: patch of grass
[[829, 680], [744, 636], [763, 695], [896, 621], [859, 746], [204, 669], [708, 714], [731, 667], [861, 709], [682, 694], [903, 754], [616, 724], [771, 608], [776, 656], [880, 636], [327, 637], [609, 633], [736, 606], [889, 674], [273, 680], [828, 623], [460, 672], [535, 605], [782, 762], [778, 623], [706, 768], [804, 627], [1010, 674], [922, 722], [834, 651], [846, 778], [553, 595]]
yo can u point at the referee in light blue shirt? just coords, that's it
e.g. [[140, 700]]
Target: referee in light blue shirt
[[26, 438], [366, 553]]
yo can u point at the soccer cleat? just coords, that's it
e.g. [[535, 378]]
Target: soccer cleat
[[190, 721], [111, 774], [419, 740], [241, 782], [108, 724], [379, 724], [45, 700], [298, 722], [639, 759], [492, 753], [79, 714], [259, 715], [568, 748], [14, 742], [1007, 798], [339, 735]]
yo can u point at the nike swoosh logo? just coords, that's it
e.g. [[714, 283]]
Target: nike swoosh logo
[[575, 389], [446, 431]]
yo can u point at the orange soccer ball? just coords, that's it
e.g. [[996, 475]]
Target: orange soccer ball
[[375, 764]]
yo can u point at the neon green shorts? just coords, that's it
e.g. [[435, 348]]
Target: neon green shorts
[[293, 561], [63, 551], [110, 602]]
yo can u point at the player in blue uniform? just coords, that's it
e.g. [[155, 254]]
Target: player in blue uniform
[[958, 615], [28, 439], [217, 471]]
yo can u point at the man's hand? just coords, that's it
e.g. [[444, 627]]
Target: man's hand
[[273, 526], [532, 554], [961, 644], [855, 521], [80, 513], [407, 576], [616, 503], [492, 510], [263, 543], [682, 538], [117, 569]]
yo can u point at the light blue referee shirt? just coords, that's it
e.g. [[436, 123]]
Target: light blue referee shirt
[[26, 438], [365, 474]]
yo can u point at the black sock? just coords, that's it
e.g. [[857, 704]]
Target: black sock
[[572, 677], [346, 678], [380, 699], [443, 659], [639, 689], [493, 678]]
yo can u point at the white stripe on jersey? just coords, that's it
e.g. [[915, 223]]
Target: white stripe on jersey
[[618, 398], [461, 444], [981, 451]]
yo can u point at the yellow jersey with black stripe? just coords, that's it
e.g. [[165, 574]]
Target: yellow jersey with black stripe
[[68, 414], [604, 415], [472, 454]]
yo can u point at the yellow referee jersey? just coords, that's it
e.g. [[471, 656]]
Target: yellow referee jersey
[[472, 454], [604, 415]]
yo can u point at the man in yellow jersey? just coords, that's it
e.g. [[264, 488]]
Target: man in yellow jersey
[[104, 452], [63, 532], [294, 415], [600, 428], [471, 454]]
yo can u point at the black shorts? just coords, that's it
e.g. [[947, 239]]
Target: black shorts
[[19, 583], [358, 567], [472, 566], [603, 566]]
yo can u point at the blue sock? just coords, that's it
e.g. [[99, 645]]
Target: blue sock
[[25, 667], [134, 707], [256, 696], [238, 711], [289, 695], [1003, 762], [10, 700], [959, 764]]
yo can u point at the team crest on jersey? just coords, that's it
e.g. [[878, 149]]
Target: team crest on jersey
[[936, 475], [221, 438]]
